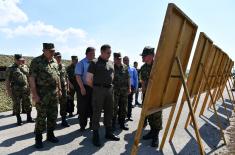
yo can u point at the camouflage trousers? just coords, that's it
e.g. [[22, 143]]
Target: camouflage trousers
[[155, 119], [63, 104], [47, 111], [21, 97], [120, 103]]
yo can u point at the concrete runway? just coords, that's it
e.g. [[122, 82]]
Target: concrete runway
[[20, 140]]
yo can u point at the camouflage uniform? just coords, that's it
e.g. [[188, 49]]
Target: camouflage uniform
[[46, 79], [25, 69], [121, 86], [19, 88], [155, 119], [63, 98]]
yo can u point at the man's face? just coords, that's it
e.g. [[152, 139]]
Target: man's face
[[126, 60], [147, 58], [90, 55], [106, 53], [118, 61], [58, 59], [18, 62], [75, 61], [135, 65], [49, 54], [22, 62]]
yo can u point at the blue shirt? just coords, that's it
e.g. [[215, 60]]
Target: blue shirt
[[133, 76], [81, 69]]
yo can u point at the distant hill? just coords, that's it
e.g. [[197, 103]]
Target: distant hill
[[7, 60]]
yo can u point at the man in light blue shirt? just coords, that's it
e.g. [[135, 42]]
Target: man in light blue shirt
[[85, 93], [134, 86]]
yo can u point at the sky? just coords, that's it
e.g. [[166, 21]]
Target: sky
[[127, 25]]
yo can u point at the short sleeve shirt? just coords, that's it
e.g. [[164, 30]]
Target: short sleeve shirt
[[102, 70], [81, 69]]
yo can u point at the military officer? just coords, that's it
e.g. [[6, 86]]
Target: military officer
[[64, 89], [18, 89], [46, 89], [73, 86], [155, 119], [121, 87]]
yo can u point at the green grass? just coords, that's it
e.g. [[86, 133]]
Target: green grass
[[5, 101], [7, 60]]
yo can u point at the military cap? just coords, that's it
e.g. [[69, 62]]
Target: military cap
[[18, 57], [74, 57], [117, 55], [147, 51], [48, 46], [57, 54]]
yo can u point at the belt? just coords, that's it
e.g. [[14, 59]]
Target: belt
[[103, 85]]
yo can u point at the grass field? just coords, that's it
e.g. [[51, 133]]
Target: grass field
[[5, 102], [7, 60]]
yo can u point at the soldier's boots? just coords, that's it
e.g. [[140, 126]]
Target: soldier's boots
[[19, 120], [151, 134], [64, 122], [96, 138], [51, 137], [29, 118], [155, 141], [123, 125], [109, 135], [38, 141]]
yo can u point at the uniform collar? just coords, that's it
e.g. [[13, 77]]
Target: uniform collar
[[45, 59], [101, 59]]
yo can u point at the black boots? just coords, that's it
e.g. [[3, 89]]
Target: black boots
[[96, 138], [38, 141], [64, 122], [19, 121], [149, 135], [29, 118], [155, 141], [109, 135], [51, 137], [122, 124], [152, 134]]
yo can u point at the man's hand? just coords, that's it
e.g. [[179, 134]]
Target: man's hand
[[83, 91], [129, 90], [59, 93], [36, 98], [9, 93], [71, 86]]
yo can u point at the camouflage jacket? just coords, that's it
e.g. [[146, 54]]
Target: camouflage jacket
[[145, 73], [17, 79], [71, 74], [25, 69], [63, 76], [121, 77], [46, 74]]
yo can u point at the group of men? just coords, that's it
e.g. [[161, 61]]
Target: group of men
[[101, 86]]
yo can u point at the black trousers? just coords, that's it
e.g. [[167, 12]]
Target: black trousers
[[85, 106], [130, 100]]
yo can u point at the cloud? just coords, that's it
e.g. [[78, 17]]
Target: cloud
[[69, 41], [39, 29], [10, 12]]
